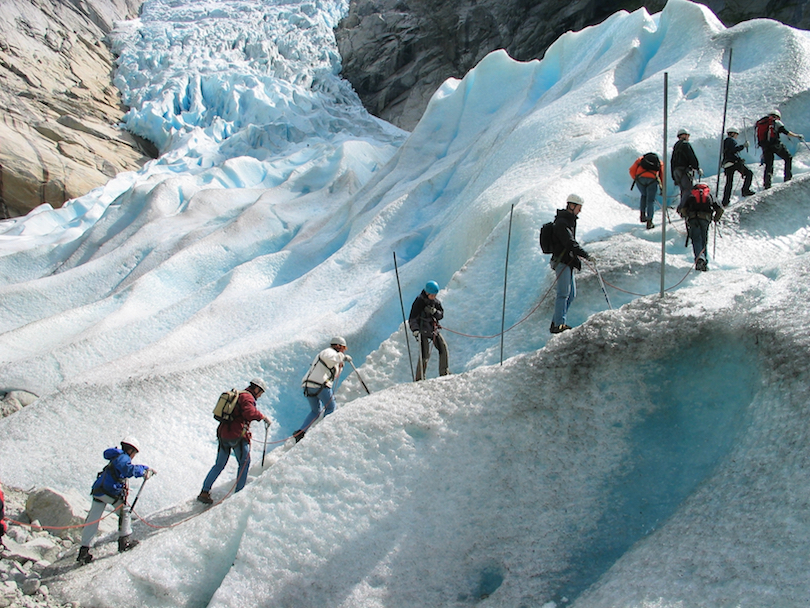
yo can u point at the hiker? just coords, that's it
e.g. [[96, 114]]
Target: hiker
[[769, 128], [426, 312], [565, 259], [683, 164], [647, 173], [111, 488], [733, 163], [699, 209], [317, 383], [235, 435]]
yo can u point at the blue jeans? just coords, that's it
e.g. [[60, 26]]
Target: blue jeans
[[241, 449], [566, 292], [648, 187], [317, 398], [699, 233]]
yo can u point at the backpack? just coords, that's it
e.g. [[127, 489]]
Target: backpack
[[703, 199], [226, 404], [547, 237], [765, 130], [650, 162]]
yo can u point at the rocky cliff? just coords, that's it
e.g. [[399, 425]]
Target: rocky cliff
[[58, 108], [396, 53]]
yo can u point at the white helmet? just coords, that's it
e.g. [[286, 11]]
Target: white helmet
[[259, 383], [338, 341], [576, 199], [731, 130], [131, 442], [776, 113], [682, 131]]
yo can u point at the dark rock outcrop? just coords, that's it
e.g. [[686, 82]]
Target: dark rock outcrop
[[396, 53], [59, 111]]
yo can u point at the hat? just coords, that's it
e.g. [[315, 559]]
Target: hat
[[682, 131], [338, 341], [130, 442], [259, 383], [576, 199]]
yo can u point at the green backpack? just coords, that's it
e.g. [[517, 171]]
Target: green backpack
[[226, 404]]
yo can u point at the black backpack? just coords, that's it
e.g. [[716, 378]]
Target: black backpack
[[547, 237], [650, 162]]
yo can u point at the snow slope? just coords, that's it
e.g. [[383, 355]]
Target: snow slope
[[653, 456]]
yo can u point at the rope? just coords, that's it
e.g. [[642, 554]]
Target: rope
[[84, 525]]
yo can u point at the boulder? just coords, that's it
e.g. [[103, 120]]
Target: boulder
[[62, 510]]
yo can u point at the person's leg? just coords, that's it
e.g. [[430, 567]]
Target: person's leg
[[223, 453], [242, 452], [327, 399], [92, 520], [314, 407], [696, 235], [748, 177], [729, 173], [565, 291], [441, 346], [767, 157], [424, 356], [782, 152]]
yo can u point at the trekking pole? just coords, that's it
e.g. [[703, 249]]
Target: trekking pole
[[264, 449], [138, 495], [602, 285], [359, 377], [404, 322], [723, 132]]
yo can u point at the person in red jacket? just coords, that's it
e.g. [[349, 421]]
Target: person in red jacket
[[647, 173], [235, 435], [3, 525]]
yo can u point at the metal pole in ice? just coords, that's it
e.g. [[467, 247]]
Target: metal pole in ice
[[664, 189]]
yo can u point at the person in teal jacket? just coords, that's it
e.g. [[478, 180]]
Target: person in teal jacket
[[110, 488]]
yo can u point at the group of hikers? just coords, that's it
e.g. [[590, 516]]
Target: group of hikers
[[233, 433], [697, 205]]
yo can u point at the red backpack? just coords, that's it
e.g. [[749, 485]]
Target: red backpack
[[765, 130], [703, 198]]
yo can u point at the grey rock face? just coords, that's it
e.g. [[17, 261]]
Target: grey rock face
[[59, 112], [396, 53]]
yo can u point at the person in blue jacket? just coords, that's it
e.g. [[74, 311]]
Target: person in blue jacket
[[110, 488]]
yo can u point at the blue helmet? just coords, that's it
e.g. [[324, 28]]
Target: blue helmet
[[432, 287]]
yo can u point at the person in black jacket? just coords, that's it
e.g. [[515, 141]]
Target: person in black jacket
[[732, 163], [683, 164], [565, 259], [426, 312], [699, 210]]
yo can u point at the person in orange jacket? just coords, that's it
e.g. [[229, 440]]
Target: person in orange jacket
[[647, 173]]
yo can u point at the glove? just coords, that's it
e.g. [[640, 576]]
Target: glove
[[347, 357], [575, 263], [416, 335], [430, 309], [801, 137], [700, 172], [718, 214], [149, 473]]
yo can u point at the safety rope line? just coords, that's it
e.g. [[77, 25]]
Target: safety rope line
[[84, 525]]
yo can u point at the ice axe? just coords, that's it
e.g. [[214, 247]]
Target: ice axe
[[602, 285], [359, 377], [138, 495], [264, 449]]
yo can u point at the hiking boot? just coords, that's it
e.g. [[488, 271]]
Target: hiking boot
[[749, 193], [701, 265], [650, 224], [642, 218], [298, 435], [558, 329], [205, 497], [125, 543], [84, 556]]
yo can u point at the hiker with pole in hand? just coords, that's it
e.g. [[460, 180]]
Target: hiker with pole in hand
[[699, 210], [769, 128], [111, 488], [565, 259], [317, 383], [426, 312], [647, 172], [234, 434], [733, 163]]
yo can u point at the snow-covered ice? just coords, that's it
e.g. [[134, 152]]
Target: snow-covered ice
[[654, 456]]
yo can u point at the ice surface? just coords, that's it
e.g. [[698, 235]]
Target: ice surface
[[654, 456]]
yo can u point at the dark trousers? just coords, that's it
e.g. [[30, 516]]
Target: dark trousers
[[424, 344], [768, 153], [748, 175]]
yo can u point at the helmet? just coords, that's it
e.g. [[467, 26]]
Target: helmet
[[130, 442], [338, 341], [259, 383], [576, 199], [432, 287], [682, 131], [731, 130], [775, 113]]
